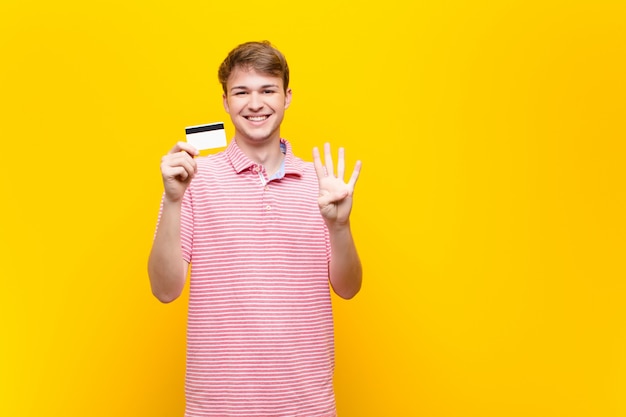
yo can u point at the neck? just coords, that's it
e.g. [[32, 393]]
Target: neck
[[267, 154]]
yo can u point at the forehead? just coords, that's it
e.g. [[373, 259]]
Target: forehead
[[251, 79]]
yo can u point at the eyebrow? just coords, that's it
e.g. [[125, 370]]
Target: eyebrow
[[243, 87]]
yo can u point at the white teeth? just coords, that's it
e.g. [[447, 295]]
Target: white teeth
[[256, 118]]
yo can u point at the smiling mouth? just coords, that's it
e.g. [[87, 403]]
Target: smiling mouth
[[257, 118]]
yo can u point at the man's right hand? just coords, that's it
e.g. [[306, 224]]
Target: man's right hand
[[178, 168]]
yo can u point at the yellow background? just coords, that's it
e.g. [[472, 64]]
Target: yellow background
[[489, 214]]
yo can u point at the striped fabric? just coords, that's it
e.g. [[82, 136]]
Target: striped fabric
[[260, 328]]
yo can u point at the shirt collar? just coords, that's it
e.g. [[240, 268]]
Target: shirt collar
[[240, 161]]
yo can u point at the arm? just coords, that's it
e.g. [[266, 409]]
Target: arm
[[166, 267], [345, 266], [335, 202]]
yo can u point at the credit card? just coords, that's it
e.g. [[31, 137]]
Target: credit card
[[208, 136]]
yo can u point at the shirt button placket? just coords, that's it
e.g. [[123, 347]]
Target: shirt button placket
[[266, 206]]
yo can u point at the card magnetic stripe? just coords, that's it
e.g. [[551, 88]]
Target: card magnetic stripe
[[204, 128]]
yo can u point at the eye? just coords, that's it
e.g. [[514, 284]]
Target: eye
[[240, 93], [268, 91]]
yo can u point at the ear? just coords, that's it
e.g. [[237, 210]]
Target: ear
[[225, 102], [287, 98]]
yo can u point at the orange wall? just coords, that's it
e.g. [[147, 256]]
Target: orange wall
[[489, 214]]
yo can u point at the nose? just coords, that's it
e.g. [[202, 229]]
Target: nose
[[255, 103]]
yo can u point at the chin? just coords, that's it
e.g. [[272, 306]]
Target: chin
[[259, 136]]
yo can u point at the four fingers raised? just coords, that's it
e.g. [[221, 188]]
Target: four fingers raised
[[327, 168]]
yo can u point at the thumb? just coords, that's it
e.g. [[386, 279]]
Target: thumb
[[330, 198]]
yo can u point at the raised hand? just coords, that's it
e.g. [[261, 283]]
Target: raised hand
[[178, 169], [335, 200]]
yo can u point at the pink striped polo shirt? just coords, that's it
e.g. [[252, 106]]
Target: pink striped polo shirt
[[260, 327]]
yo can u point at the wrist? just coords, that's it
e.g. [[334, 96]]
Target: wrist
[[337, 227], [172, 201]]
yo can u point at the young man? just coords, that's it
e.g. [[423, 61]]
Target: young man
[[265, 232]]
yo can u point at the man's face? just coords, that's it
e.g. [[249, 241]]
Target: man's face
[[256, 104]]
